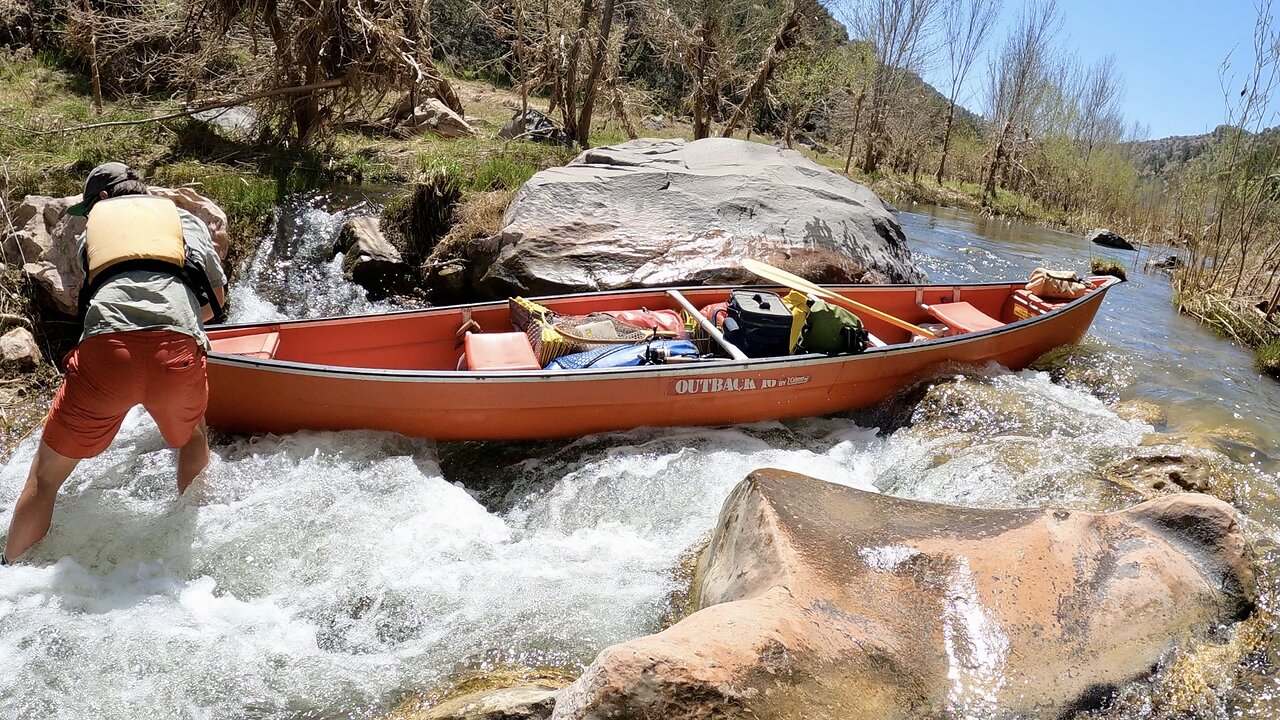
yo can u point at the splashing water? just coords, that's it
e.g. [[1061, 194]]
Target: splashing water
[[330, 574], [294, 272]]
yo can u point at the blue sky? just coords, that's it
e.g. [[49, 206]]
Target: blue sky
[[1169, 52]]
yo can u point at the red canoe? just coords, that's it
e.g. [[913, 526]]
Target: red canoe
[[397, 371]]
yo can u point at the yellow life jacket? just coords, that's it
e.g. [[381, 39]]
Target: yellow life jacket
[[131, 228], [134, 232]]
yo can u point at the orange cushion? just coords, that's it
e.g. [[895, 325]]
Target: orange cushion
[[963, 317], [500, 351]]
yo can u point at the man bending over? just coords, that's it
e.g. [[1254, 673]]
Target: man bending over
[[152, 279]]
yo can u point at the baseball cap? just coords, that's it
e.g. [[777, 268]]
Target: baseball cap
[[101, 178]]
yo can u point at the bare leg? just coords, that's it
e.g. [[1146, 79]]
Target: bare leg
[[34, 509], [193, 457]]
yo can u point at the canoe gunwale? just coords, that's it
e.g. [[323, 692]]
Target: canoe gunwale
[[716, 367]]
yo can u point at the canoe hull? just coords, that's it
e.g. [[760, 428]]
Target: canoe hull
[[258, 396]]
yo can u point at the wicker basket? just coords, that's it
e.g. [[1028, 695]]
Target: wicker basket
[[553, 335]]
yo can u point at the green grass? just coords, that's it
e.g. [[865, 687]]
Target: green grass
[[501, 172], [1101, 265], [37, 93], [1267, 358]]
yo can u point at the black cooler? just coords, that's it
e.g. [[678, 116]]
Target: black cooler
[[758, 323]]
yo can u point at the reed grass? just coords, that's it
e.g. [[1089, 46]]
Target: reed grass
[[1267, 358]]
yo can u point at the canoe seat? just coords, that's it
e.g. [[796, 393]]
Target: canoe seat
[[963, 317], [259, 345], [499, 351]]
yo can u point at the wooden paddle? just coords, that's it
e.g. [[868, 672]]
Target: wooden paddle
[[795, 282]]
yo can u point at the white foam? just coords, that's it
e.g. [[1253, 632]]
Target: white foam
[[291, 274], [336, 571], [976, 647]]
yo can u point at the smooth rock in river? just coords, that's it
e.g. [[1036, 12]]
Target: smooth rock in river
[[44, 240], [1106, 238], [1141, 410], [519, 703], [18, 350], [370, 260], [669, 212], [1169, 468], [1168, 263], [819, 601], [502, 693]]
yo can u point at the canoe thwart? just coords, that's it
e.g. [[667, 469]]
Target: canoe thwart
[[707, 326]]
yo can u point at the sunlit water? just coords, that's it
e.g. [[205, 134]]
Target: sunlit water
[[330, 574]]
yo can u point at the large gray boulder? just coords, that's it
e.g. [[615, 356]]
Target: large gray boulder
[[823, 602], [668, 212]]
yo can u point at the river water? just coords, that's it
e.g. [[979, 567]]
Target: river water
[[325, 575]]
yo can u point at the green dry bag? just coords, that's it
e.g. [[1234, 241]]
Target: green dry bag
[[832, 330]]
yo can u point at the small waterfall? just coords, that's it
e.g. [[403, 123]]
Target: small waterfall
[[292, 274]]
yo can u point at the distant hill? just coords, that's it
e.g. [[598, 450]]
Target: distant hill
[[1167, 157]]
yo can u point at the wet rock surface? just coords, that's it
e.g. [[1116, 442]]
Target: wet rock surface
[[1170, 468], [1147, 412], [1168, 263], [501, 694], [527, 703], [820, 601], [371, 261], [44, 240], [667, 212]]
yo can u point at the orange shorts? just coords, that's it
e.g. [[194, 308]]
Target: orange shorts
[[107, 375]]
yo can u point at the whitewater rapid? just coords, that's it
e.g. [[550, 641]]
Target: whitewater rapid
[[330, 574]]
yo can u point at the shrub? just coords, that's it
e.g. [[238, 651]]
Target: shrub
[[416, 222], [1108, 266], [1267, 359]]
